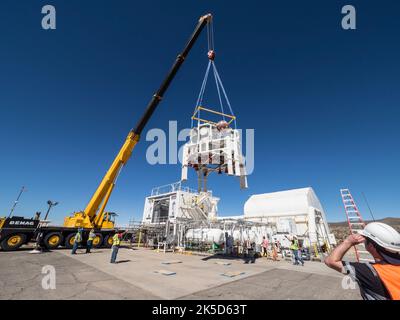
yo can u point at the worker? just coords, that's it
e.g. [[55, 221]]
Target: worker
[[264, 245], [250, 256], [230, 245], [278, 246], [275, 251], [115, 246], [296, 255], [300, 252], [77, 240], [89, 243], [379, 280]]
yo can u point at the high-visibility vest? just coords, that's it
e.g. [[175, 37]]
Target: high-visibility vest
[[390, 276], [78, 237], [294, 246], [92, 235], [116, 240]]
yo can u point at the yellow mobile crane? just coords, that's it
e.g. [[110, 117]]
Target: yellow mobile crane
[[94, 216]]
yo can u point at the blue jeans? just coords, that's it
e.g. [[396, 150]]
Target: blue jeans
[[75, 247], [89, 246], [114, 253], [297, 257]]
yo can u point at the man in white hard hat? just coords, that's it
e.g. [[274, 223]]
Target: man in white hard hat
[[379, 280]]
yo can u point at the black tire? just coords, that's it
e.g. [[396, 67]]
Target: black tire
[[98, 241], [13, 241], [52, 240], [108, 241], [69, 242]]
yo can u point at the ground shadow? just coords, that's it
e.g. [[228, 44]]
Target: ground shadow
[[123, 261], [223, 256]]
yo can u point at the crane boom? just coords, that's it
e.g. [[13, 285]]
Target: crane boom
[[92, 216]]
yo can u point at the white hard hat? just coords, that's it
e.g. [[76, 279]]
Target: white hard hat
[[384, 235]]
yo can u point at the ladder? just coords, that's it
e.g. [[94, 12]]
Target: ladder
[[356, 224]]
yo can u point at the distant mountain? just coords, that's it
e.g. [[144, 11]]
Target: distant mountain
[[390, 221], [341, 229]]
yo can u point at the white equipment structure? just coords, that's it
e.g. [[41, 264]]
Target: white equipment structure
[[171, 202], [294, 212], [213, 148]]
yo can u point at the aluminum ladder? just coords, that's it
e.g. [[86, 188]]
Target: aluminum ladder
[[356, 224]]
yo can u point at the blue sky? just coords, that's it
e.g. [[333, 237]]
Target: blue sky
[[324, 102]]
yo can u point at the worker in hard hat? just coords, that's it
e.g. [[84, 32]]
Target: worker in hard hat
[[296, 252], [379, 280], [89, 243], [77, 240], [115, 246]]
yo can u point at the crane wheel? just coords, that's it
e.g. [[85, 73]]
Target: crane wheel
[[53, 240], [98, 240], [13, 242], [69, 241], [108, 241]]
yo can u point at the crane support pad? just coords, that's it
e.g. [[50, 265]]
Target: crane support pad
[[172, 262], [232, 274], [165, 272]]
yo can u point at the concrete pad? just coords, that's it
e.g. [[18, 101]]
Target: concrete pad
[[223, 263], [279, 284], [21, 278], [165, 272], [232, 274], [192, 275], [92, 276], [172, 262]]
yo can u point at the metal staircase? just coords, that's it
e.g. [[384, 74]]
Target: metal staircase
[[197, 206], [356, 224]]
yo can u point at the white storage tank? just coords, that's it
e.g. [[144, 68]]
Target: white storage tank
[[206, 235]]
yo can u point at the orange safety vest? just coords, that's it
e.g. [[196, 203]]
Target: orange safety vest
[[390, 276]]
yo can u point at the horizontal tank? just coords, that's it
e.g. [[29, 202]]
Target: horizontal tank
[[206, 235]]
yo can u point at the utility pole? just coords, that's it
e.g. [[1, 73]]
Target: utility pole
[[16, 201]]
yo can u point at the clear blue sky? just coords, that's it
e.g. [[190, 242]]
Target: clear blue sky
[[324, 102]]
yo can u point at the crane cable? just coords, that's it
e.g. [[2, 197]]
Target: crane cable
[[217, 78]]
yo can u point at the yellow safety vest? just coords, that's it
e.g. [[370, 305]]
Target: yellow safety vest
[[295, 245], [91, 236], [116, 240], [78, 237]]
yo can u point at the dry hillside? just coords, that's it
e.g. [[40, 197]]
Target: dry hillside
[[341, 229]]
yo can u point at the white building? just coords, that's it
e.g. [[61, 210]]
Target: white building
[[297, 212], [276, 215]]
